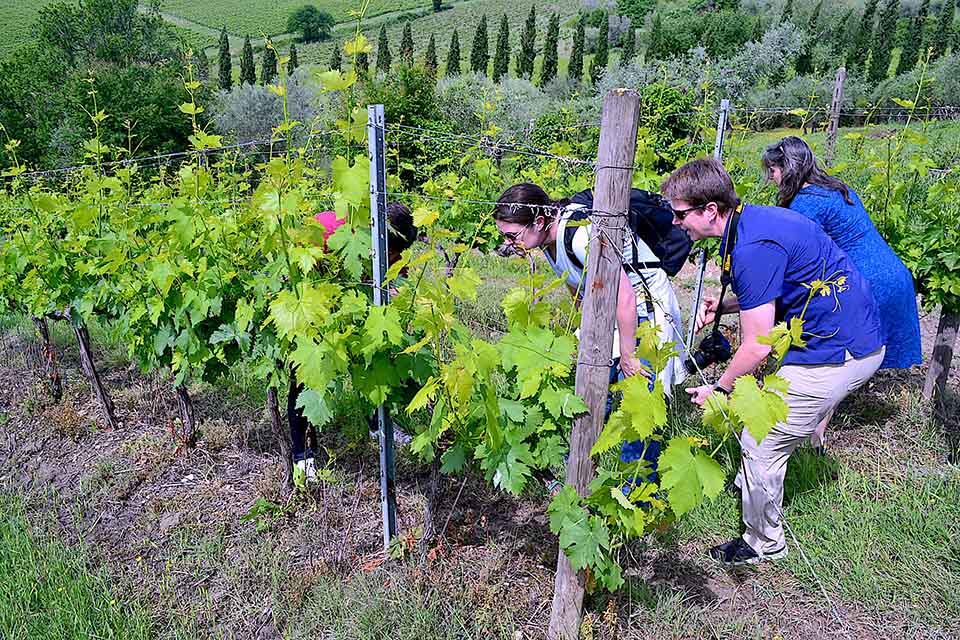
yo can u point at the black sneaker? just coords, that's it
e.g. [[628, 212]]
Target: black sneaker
[[737, 553]]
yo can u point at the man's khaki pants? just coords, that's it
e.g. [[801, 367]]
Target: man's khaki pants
[[814, 392]]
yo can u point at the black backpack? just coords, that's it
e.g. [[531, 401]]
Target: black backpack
[[651, 219]]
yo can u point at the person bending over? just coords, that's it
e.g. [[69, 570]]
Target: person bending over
[[528, 219], [303, 435], [806, 188], [769, 256]]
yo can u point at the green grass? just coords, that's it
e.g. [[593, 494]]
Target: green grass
[[270, 16], [47, 591], [463, 16], [17, 23]]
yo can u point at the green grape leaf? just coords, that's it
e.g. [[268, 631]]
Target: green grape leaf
[[426, 393], [454, 459], [640, 412], [717, 414], [565, 506], [562, 402], [463, 284], [315, 408], [759, 410], [584, 542], [353, 247], [688, 477], [381, 322]]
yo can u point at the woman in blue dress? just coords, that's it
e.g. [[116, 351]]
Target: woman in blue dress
[[806, 188]]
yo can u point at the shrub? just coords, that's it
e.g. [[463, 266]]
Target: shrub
[[249, 112], [312, 23]]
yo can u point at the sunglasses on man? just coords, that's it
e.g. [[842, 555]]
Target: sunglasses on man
[[680, 214]]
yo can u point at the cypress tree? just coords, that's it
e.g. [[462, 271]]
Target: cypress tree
[[501, 58], [248, 73], [599, 63], [941, 37], [913, 42], [363, 64], [629, 47], [383, 51], [805, 59], [787, 15], [480, 49], [224, 63], [203, 65], [756, 36], [861, 44], [293, 62], [268, 65], [406, 46], [883, 41], [528, 45], [430, 59], [575, 67], [550, 55], [453, 55], [813, 24], [336, 60]]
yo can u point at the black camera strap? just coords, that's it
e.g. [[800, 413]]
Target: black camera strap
[[726, 260]]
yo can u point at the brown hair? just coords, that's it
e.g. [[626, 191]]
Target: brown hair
[[797, 166], [403, 233], [522, 203], [700, 182]]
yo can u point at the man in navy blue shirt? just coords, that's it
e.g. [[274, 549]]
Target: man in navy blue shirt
[[775, 254]]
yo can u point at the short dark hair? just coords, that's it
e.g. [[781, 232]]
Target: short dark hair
[[700, 182], [798, 166], [403, 233]]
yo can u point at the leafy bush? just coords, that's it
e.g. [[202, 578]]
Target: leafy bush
[[312, 23], [250, 112]]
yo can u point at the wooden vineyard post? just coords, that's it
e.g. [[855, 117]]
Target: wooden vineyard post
[[281, 435], [185, 406], [723, 117], [378, 214], [834, 116], [49, 355], [90, 368], [618, 144], [936, 381]]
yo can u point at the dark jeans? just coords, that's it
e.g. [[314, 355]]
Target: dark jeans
[[301, 431]]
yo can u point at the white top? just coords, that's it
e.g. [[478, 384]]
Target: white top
[[666, 308]]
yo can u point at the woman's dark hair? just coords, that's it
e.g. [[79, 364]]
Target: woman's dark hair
[[797, 166], [400, 223], [522, 203]]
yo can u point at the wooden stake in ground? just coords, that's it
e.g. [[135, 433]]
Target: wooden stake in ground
[[936, 382], [49, 355], [618, 144], [282, 436], [189, 436], [834, 116], [90, 370]]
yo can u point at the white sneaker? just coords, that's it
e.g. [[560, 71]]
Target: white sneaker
[[308, 468]]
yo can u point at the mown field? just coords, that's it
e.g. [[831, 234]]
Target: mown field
[[254, 17], [464, 17], [17, 22]]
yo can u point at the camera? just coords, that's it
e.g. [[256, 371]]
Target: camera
[[713, 349]]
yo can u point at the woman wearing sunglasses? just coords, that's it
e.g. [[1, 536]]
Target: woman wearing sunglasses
[[528, 219]]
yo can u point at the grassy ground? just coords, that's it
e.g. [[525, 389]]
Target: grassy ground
[[875, 521], [18, 17], [48, 591]]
